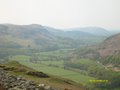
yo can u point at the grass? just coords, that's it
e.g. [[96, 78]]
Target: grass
[[61, 72], [21, 57], [54, 81], [88, 62], [53, 63]]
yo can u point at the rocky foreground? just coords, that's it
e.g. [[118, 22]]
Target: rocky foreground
[[11, 82]]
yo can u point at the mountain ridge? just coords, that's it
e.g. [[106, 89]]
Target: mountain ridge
[[38, 36]]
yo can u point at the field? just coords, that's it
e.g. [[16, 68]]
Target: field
[[55, 71], [54, 81]]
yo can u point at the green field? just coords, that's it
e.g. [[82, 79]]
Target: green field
[[57, 71]]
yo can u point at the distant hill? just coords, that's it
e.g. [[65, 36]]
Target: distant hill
[[90, 36], [115, 31], [30, 36], [97, 31], [22, 35], [107, 52], [45, 38]]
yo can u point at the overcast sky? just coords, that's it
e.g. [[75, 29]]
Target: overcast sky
[[62, 13]]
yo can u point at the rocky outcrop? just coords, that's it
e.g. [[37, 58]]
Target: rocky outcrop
[[11, 82], [38, 74]]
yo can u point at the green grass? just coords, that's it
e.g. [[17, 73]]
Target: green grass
[[87, 62], [84, 61], [53, 63], [61, 72], [21, 57]]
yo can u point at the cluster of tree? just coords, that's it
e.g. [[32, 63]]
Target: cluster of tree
[[75, 65], [10, 45], [5, 53]]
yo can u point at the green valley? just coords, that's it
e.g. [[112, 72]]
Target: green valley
[[73, 60]]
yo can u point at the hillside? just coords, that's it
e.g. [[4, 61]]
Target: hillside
[[87, 36], [110, 46], [96, 31], [76, 56], [101, 61], [31, 36], [26, 39], [22, 36], [45, 38], [14, 77], [107, 52]]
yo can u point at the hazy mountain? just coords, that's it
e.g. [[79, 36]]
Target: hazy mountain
[[97, 31], [115, 31], [86, 35], [43, 37], [34, 36], [54, 31], [23, 35]]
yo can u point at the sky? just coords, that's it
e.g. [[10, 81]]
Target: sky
[[62, 13]]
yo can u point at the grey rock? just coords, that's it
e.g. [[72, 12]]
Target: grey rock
[[47, 87], [11, 82]]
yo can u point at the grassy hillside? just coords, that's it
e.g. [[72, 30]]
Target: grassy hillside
[[57, 71], [101, 61], [106, 52], [31, 36], [43, 38], [17, 69]]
